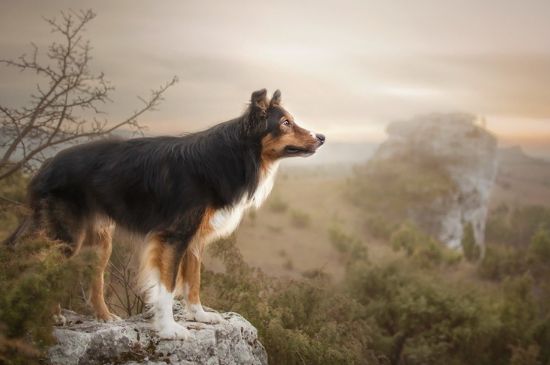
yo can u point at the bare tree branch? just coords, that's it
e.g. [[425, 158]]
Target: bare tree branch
[[123, 282], [67, 99]]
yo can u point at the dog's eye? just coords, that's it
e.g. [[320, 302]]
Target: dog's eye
[[286, 123]]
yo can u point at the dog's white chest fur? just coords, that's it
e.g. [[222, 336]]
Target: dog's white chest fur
[[225, 221]]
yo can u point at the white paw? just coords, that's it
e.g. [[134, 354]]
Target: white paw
[[59, 320], [173, 331], [109, 318], [207, 317]]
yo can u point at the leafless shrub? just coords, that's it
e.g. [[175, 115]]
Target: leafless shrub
[[123, 295], [65, 105]]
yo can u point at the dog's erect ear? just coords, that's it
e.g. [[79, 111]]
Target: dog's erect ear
[[257, 112], [259, 100], [276, 98]]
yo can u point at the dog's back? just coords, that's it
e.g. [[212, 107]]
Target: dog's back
[[179, 193]]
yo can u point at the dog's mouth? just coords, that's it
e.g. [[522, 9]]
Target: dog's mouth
[[299, 151]]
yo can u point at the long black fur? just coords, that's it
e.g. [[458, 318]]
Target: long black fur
[[158, 184]]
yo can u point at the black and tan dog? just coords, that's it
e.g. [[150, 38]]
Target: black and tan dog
[[179, 193]]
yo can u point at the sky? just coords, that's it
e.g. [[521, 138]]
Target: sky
[[345, 68]]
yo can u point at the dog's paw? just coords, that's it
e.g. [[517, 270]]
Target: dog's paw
[[108, 317], [173, 331], [207, 317], [59, 319]]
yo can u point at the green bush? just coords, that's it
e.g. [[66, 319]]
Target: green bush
[[469, 246], [396, 186], [300, 219], [393, 313], [34, 278], [379, 227], [298, 322], [539, 250], [12, 193], [277, 205], [516, 226], [421, 321], [347, 245], [500, 262], [425, 251], [525, 355], [407, 238]]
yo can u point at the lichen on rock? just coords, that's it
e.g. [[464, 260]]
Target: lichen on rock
[[83, 340]]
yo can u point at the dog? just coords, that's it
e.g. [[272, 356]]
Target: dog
[[178, 193]]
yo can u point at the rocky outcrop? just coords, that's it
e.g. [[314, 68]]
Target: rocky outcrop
[[466, 152], [84, 340]]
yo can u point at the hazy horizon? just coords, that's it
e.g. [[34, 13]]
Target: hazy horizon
[[345, 68]]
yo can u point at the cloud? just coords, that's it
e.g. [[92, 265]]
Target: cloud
[[348, 67]]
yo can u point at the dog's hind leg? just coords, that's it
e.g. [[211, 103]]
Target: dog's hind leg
[[157, 273], [61, 223], [99, 237], [64, 224]]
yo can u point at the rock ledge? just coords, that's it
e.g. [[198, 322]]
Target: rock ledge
[[84, 340]]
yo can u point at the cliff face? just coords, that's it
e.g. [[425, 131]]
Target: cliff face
[[468, 155], [86, 341]]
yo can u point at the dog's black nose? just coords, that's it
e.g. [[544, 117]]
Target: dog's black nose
[[320, 137]]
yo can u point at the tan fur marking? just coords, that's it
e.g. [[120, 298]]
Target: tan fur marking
[[160, 256], [190, 266], [272, 147], [197, 244], [192, 277], [100, 238]]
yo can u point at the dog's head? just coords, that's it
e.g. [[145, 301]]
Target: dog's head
[[280, 135]]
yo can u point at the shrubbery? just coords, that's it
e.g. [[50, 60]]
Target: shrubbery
[[404, 310], [277, 204], [398, 185], [34, 279], [539, 250], [500, 262], [300, 219], [516, 226], [350, 247], [470, 248], [423, 249], [299, 322], [401, 312]]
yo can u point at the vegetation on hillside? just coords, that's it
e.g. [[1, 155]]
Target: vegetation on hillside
[[405, 309], [389, 189]]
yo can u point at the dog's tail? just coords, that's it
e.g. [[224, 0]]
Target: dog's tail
[[25, 228]]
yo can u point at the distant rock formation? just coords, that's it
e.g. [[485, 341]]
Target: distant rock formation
[[468, 155], [87, 341]]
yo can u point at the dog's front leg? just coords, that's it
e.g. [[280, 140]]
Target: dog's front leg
[[191, 290], [157, 273]]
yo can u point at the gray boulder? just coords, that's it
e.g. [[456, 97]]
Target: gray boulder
[[84, 340]]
